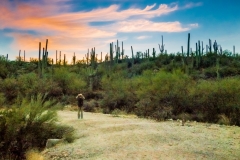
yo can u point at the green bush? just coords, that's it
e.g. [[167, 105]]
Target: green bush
[[70, 82], [2, 99], [28, 126], [9, 87], [162, 94], [214, 98], [119, 93]]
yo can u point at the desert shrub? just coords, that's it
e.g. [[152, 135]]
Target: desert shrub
[[43, 85], [28, 126], [214, 98], [9, 87], [3, 71], [90, 106], [139, 68], [164, 59], [71, 83], [116, 112], [211, 72], [2, 99], [223, 120], [26, 80], [162, 94], [227, 71], [119, 93]]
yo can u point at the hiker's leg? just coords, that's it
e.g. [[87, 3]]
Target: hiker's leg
[[81, 113], [78, 112]]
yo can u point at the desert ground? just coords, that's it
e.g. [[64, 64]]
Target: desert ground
[[107, 137]]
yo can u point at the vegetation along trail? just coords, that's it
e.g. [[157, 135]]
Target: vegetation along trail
[[103, 136]]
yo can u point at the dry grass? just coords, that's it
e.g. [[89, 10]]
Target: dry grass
[[106, 137], [34, 155]]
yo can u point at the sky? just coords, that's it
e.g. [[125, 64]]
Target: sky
[[78, 25]]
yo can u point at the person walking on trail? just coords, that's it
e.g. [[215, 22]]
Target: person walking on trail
[[80, 99]]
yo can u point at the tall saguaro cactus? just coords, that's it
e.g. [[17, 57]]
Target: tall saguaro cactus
[[210, 46], [87, 56], [197, 56], [64, 60], [43, 59], [56, 58], [60, 58], [154, 53], [24, 55], [188, 46], [46, 46], [161, 48], [122, 51], [233, 50], [74, 59], [93, 58], [111, 54], [132, 56], [117, 52], [215, 47], [202, 48], [39, 59], [19, 56]]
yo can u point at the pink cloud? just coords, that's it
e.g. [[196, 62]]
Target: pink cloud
[[70, 31]]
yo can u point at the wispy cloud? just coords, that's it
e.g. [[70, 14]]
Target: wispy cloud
[[191, 5], [142, 37], [69, 30], [148, 26], [194, 25]]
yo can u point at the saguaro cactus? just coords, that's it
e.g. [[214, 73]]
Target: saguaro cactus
[[64, 59], [154, 53], [215, 47], [161, 48], [234, 50], [210, 45], [202, 48], [87, 56], [188, 45], [220, 50], [19, 56], [93, 58], [43, 59], [132, 56], [46, 46], [122, 51], [197, 60], [111, 54], [183, 58], [56, 58], [24, 55], [39, 59], [60, 58], [74, 59]]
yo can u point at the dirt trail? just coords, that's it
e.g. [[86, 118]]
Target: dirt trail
[[104, 137]]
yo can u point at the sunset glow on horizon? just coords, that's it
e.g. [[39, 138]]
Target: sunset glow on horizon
[[76, 26]]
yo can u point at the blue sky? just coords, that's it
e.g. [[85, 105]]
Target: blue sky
[[78, 25]]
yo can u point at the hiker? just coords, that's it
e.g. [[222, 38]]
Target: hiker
[[80, 99]]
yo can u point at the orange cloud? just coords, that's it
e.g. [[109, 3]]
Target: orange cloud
[[70, 31]]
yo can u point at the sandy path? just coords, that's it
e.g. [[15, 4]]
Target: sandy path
[[104, 137]]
